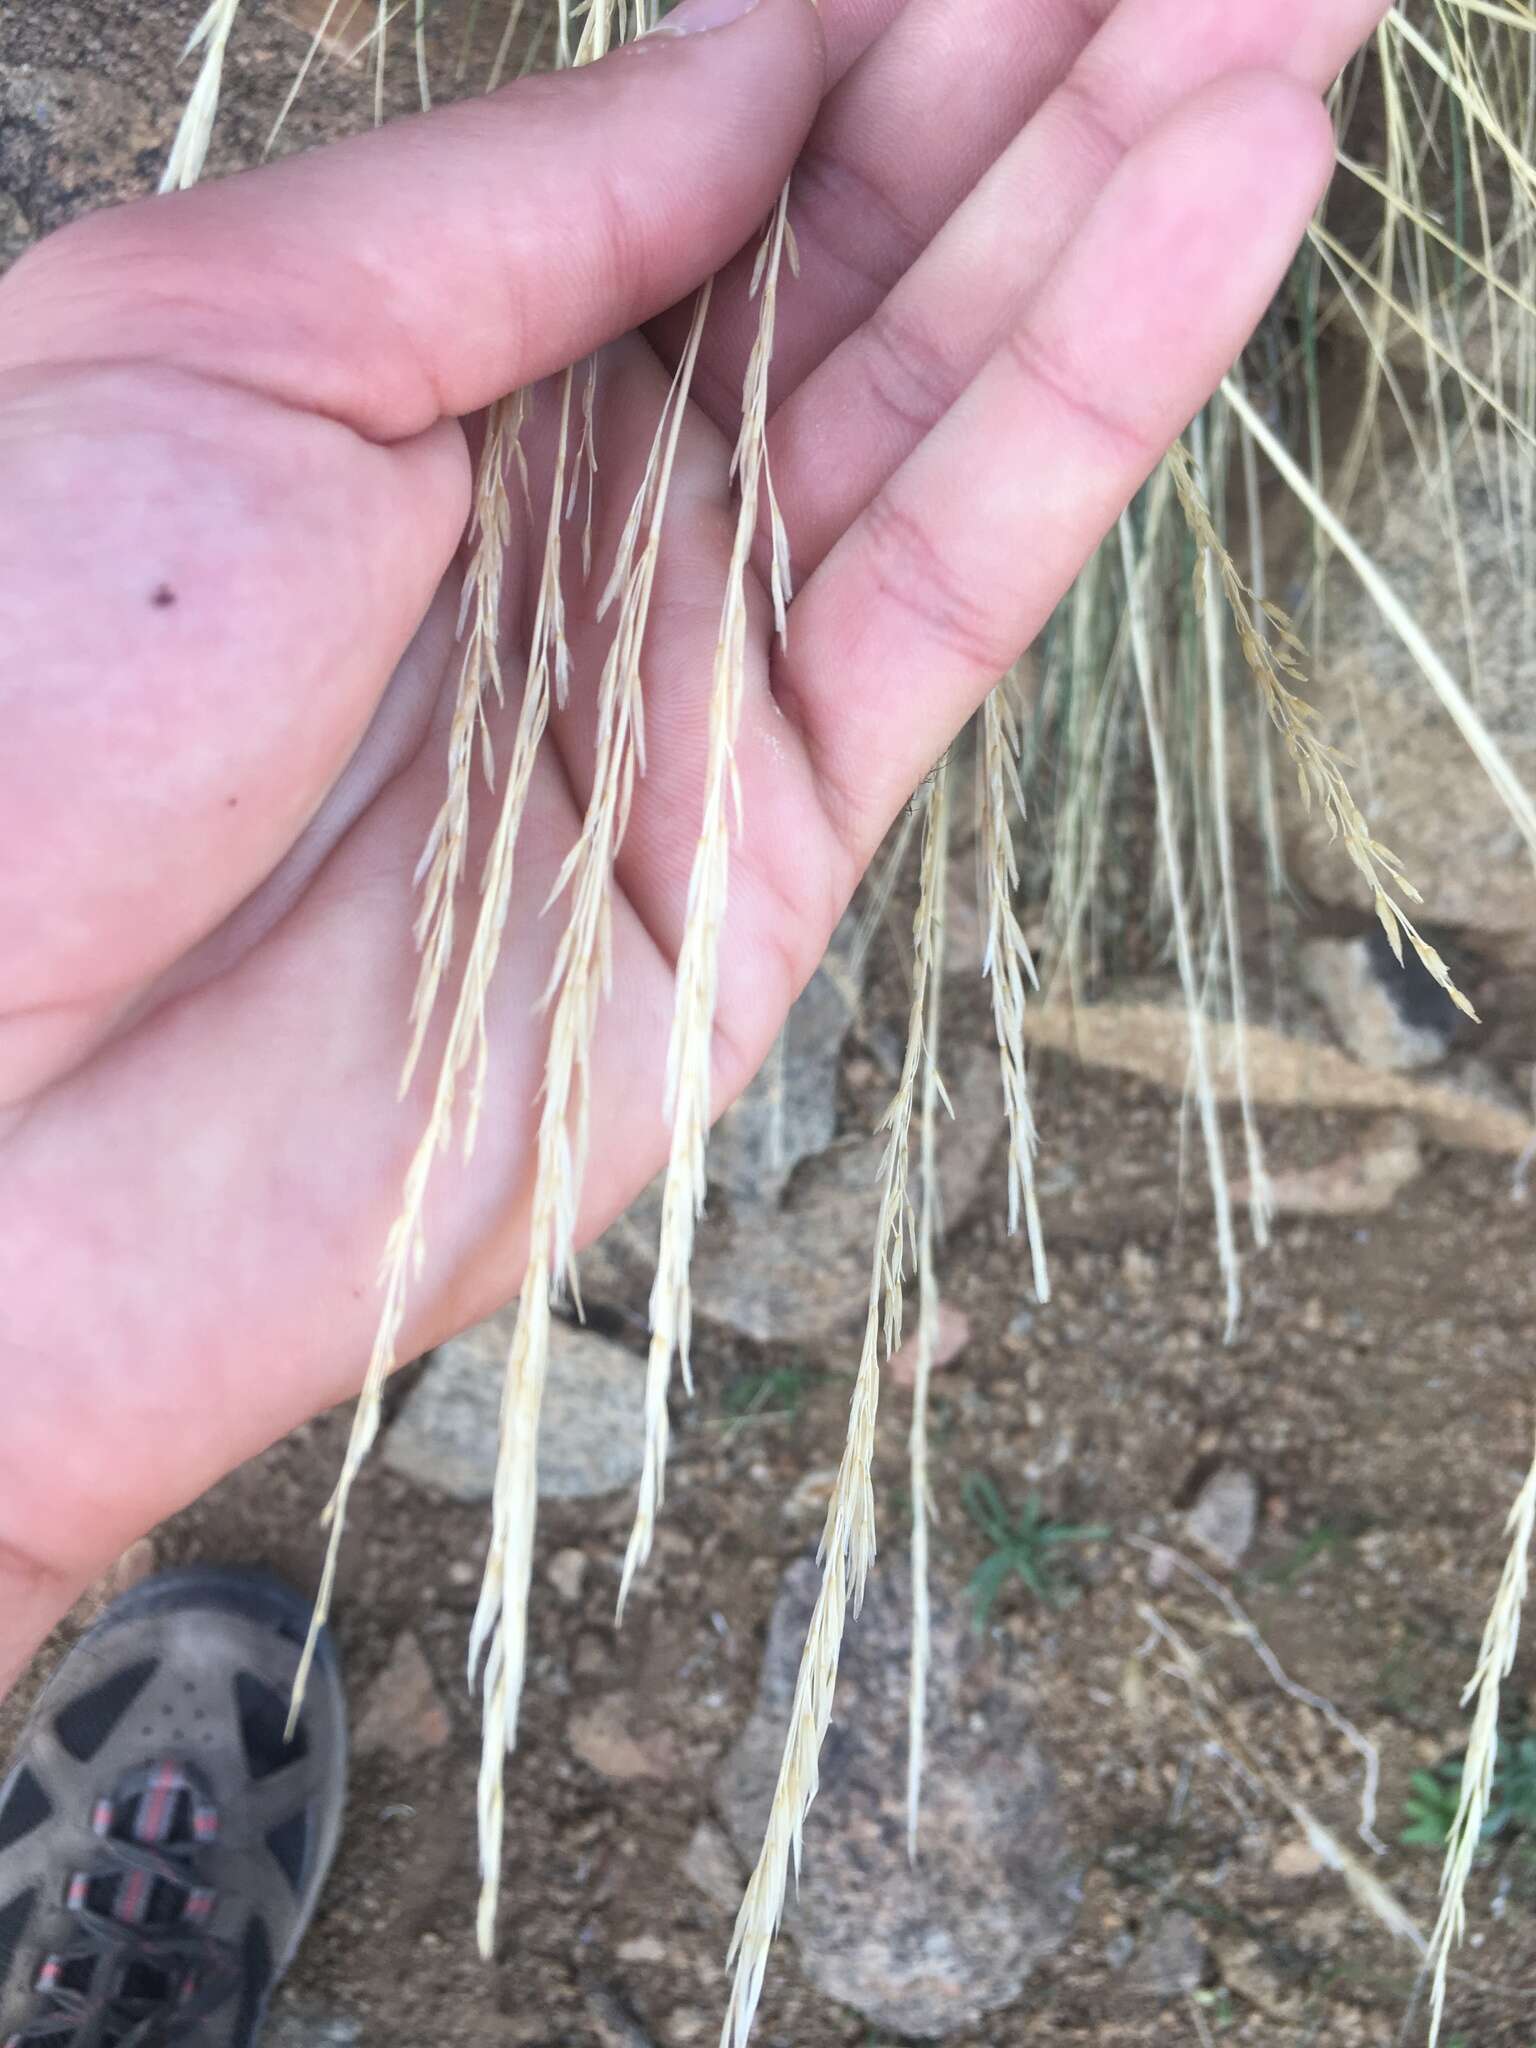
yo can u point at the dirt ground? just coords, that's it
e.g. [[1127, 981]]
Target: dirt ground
[[1378, 1393]]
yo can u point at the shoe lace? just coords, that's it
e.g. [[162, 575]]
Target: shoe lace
[[143, 1966]]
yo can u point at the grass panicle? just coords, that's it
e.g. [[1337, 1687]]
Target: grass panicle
[[1006, 962], [1274, 658], [690, 1077], [465, 1049], [848, 1537], [578, 984], [189, 151], [931, 971], [441, 869], [1495, 1661], [1173, 865]]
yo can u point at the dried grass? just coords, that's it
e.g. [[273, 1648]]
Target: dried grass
[[1470, 56], [690, 1063], [1006, 962], [580, 981], [848, 1539], [1495, 1661], [189, 151], [931, 970], [1274, 659]]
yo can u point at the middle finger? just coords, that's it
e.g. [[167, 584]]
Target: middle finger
[[899, 143]]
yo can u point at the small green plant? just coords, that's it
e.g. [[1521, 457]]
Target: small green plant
[[1216, 2003], [1434, 1796], [767, 1393], [1326, 1540], [1023, 1547]]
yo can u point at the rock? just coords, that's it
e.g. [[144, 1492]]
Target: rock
[[404, 1712], [951, 1336], [16, 231], [567, 1573], [1365, 1182], [790, 1111], [920, 1950], [1247, 1970], [800, 1274], [137, 1563], [1383, 1015], [1170, 1963], [71, 138], [344, 27], [1413, 776], [613, 2024], [644, 1948], [812, 1492], [1296, 1858], [602, 1737], [591, 1435], [1224, 1516], [1150, 1038], [462, 42], [710, 1866], [305, 2026]]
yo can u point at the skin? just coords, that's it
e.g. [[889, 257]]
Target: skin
[[234, 481]]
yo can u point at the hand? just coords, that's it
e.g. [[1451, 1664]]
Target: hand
[[233, 485]]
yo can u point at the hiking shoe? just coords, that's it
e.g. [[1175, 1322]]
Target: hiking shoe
[[161, 1845]]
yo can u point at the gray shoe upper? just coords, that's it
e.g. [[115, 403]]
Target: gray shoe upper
[[161, 1846]]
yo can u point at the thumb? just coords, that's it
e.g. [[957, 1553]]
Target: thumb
[[426, 269]]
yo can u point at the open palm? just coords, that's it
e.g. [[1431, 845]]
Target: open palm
[[233, 486]]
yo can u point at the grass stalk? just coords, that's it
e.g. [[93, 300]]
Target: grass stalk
[[931, 969]]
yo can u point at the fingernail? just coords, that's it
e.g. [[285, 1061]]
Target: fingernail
[[695, 17]]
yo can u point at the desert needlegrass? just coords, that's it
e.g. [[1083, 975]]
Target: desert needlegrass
[[1495, 1661], [931, 971], [578, 983], [466, 1048], [189, 152], [1006, 962], [1200, 1058], [1273, 656], [848, 1538], [1443, 293], [690, 1076]]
